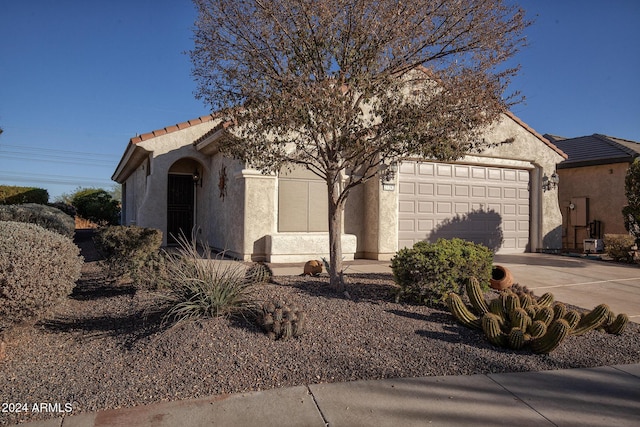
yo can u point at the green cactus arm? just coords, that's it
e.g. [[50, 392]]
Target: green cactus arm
[[618, 325], [491, 328], [592, 320], [461, 312], [558, 330], [546, 299], [474, 292]]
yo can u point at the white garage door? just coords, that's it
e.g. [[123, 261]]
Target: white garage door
[[487, 205]]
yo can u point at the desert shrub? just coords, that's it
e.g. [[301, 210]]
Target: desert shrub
[[65, 207], [96, 205], [201, 286], [427, 272], [38, 268], [619, 246], [12, 195], [45, 216], [631, 212], [130, 251]]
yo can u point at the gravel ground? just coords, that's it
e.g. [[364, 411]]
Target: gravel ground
[[104, 349]]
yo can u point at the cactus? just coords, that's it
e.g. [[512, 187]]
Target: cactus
[[299, 324], [545, 314], [545, 300], [281, 321], [496, 307], [618, 325], [526, 301], [572, 317], [474, 292], [516, 318], [537, 329], [557, 331], [461, 312], [491, 328], [592, 320], [511, 302], [520, 319], [287, 329], [516, 338], [559, 310], [258, 273]]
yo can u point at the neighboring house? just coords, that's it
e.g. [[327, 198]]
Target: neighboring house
[[176, 179], [591, 189]]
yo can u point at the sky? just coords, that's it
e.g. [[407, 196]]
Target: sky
[[79, 78]]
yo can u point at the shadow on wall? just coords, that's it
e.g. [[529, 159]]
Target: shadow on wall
[[479, 226], [551, 241]]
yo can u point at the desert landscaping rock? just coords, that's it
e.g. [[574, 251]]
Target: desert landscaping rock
[[106, 347]]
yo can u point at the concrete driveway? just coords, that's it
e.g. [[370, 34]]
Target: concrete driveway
[[578, 281]]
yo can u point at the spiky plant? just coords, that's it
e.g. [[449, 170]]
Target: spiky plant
[[203, 286]]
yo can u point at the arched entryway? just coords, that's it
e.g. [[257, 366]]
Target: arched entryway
[[184, 178]]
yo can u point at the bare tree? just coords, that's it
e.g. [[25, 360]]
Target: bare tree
[[344, 87]]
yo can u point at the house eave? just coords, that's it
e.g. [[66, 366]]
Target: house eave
[[595, 162], [133, 157], [208, 144]]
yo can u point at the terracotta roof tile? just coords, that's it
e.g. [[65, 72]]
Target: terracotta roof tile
[[145, 136]]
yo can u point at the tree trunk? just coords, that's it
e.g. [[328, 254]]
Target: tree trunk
[[336, 209]]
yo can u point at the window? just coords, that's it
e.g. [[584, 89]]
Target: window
[[302, 202]]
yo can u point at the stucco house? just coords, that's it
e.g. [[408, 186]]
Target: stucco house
[[176, 179], [591, 189]]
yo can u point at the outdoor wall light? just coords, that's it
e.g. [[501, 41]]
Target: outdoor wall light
[[550, 183], [388, 176], [197, 178]]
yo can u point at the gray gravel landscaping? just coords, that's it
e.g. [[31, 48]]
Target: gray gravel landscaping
[[106, 347]]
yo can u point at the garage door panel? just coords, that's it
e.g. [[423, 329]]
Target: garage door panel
[[425, 189], [462, 191], [406, 206], [488, 205], [425, 207]]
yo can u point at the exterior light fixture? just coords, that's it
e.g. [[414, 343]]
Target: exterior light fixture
[[550, 183], [388, 176], [197, 178]]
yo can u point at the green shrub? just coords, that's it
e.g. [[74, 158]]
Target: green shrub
[[129, 250], [631, 212], [37, 269], [12, 195], [96, 205], [619, 246], [200, 286], [427, 272], [45, 216]]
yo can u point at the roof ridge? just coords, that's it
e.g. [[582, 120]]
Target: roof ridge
[[169, 129], [611, 141]]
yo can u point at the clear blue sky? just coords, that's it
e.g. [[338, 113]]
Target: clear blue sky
[[79, 78]]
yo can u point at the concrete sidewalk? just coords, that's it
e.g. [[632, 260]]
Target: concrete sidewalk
[[605, 396]]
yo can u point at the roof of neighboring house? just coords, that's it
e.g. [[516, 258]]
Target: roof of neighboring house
[[594, 150]]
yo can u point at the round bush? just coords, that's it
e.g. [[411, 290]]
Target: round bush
[[38, 268], [129, 250], [45, 216], [427, 272]]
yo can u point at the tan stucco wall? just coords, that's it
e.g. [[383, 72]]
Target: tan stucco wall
[[603, 185], [148, 201], [526, 152]]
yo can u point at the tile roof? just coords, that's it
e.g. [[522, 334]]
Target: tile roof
[[595, 149], [169, 129]]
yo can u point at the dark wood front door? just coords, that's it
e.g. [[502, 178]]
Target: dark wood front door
[[179, 207]]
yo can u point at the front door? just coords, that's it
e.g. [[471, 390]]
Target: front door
[[179, 207]]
